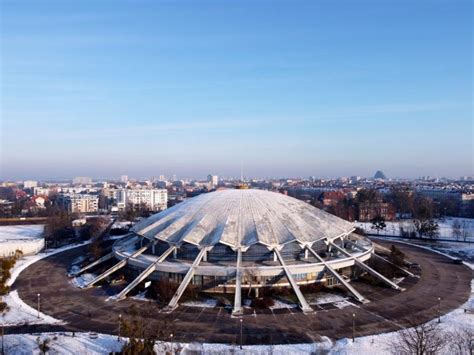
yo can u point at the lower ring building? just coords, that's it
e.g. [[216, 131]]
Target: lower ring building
[[235, 239]]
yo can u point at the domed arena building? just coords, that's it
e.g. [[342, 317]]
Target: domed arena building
[[235, 239]]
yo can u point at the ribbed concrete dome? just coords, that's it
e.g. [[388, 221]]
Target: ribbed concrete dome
[[241, 218]]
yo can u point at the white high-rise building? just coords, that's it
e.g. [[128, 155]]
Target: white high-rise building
[[82, 180], [29, 184], [154, 199], [124, 178], [80, 203], [213, 180], [42, 191]]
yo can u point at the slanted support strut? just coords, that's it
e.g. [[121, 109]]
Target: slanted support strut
[[305, 307], [186, 280], [145, 273], [119, 265], [367, 268], [351, 289]]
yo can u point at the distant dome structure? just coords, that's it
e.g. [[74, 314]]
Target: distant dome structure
[[235, 239], [380, 175]]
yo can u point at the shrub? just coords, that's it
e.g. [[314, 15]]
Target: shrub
[[223, 302], [163, 290], [3, 307], [312, 288], [4, 289], [261, 303], [7, 264], [397, 257], [191, 293]]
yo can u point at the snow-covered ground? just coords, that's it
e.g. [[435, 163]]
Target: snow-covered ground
[[21, 232], [89, 343], [62, 343], [464, 251], [28, 239], [280, 304], [121, 225], [141, 296], [324, 297], [205, 303], [445, 227], [82, 280], [86, 343], [19, 312]]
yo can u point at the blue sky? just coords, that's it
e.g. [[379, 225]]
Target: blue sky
[[293, 88]]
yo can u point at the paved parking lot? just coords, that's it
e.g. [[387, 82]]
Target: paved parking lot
[[88, 310]]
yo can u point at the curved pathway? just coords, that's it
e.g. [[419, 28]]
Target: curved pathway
[[389, 310]]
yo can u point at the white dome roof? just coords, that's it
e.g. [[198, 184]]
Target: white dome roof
[[241, 218]]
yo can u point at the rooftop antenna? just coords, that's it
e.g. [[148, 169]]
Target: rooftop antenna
[[241, 171]]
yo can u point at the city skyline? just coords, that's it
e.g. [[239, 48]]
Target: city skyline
[[315, 89]]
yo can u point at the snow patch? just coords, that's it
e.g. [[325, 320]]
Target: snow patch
[[141, 296], [21, 232], [324, 297], [205, 303], [445, 227], [278, 304], [20, 313], [82, 280]]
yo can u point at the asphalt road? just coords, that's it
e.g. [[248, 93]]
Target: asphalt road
[[389, 310]]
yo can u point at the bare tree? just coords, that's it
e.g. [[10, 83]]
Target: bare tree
[[378, 223], [43, 345], [142, 334], [95, 230], [456, 229], [423, 221], [462, 341], [427, 228], [464, 230], [58, 227], [422, 339], [249, 277]]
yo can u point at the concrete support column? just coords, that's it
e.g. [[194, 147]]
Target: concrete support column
[[175, 253], [306, 253], [238, 286], [275, 258]]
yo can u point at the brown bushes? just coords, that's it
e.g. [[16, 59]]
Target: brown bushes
[[261, 303], [163, 290]]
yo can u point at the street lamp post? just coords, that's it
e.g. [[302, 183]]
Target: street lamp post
[[439, 309], [39, 304], [120, 328], [353, 326], [172, 344], [241, 322]]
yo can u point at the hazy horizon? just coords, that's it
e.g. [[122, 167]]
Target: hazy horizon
[[202, 177], [147, 88]]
